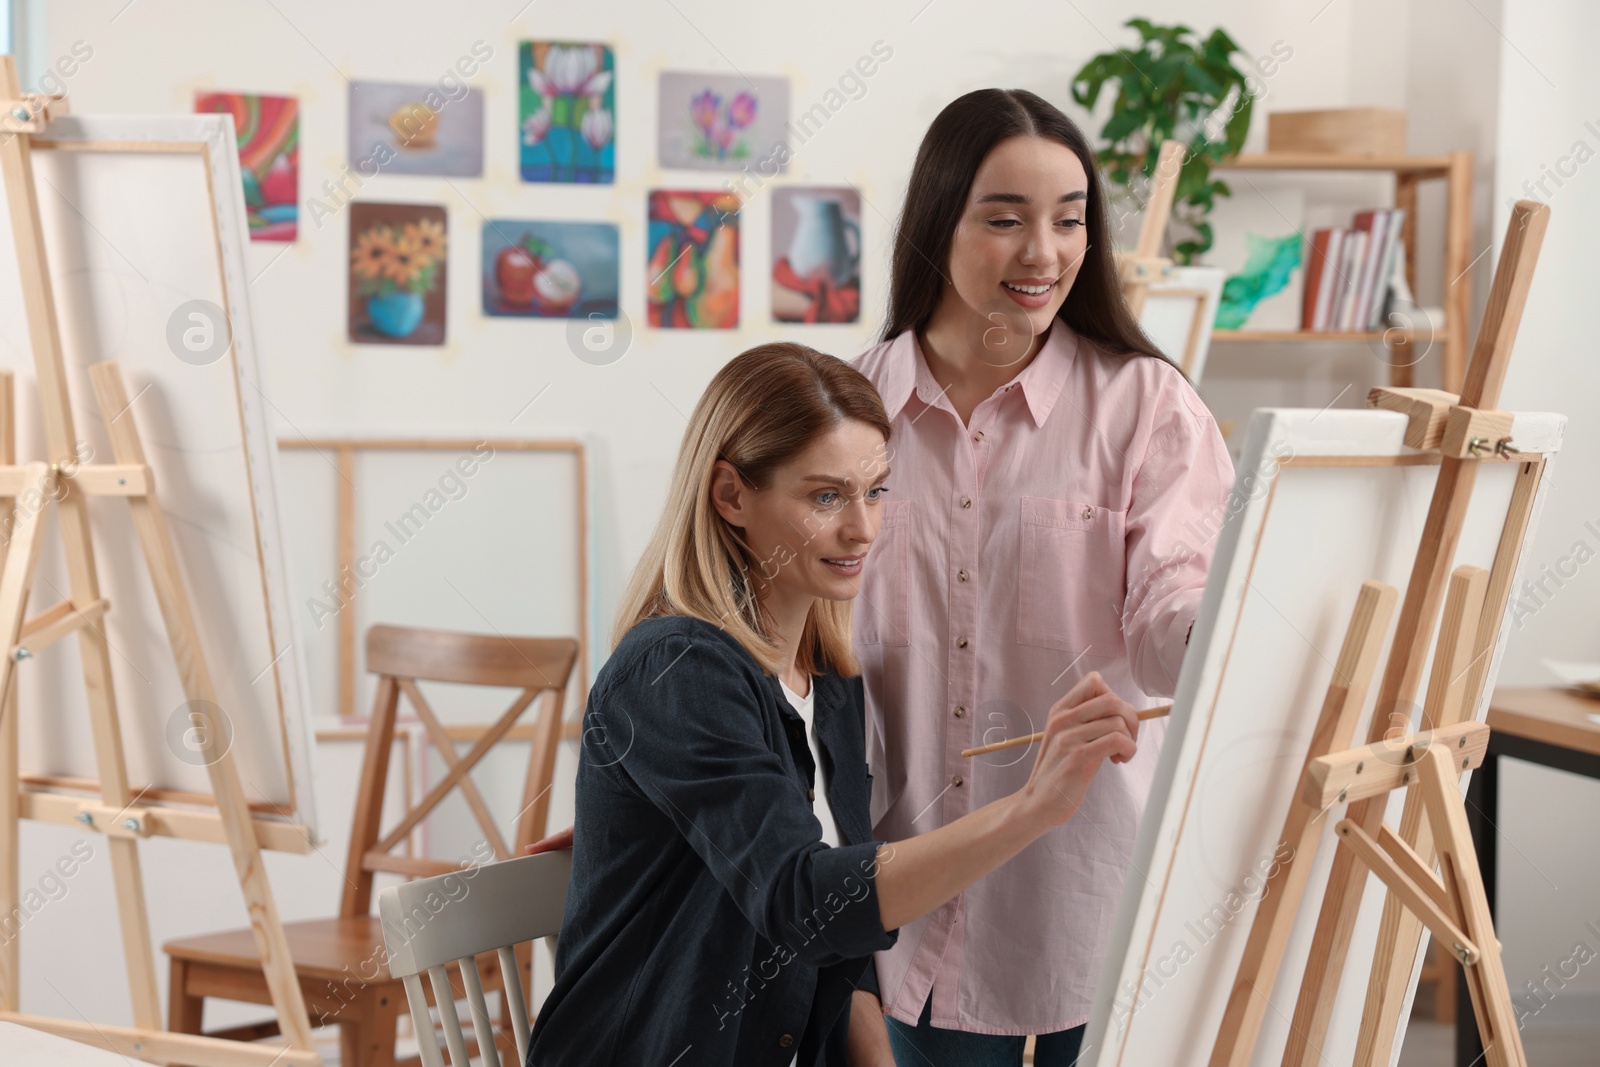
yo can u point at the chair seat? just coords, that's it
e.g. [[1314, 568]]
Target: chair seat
[[322, 949], [327, 949]]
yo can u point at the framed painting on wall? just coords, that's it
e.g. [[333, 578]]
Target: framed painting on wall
[[692, 277], [268, 130], [723, 122], [566, 112], [397, 274], [405, 128], [551, 270], [816, 254]]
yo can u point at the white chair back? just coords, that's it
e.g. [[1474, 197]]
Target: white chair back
[[453, 917]]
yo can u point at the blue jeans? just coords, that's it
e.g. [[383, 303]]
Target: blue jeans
[[928, 1046]]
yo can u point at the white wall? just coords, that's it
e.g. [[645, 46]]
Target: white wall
[[153, 55], [1549, 867]]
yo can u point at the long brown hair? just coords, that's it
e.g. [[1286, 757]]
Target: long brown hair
[[760, 411], [952, 150]]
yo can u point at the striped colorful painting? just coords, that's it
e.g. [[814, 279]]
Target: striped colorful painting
[[268, 128], [693, 273]]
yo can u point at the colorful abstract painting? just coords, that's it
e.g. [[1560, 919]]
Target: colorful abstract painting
[[268, 129], [405, 128], [398, 254], [1258, 237], [692, 279], [550, 270], [816, 254], [566, 112], [723, 122]]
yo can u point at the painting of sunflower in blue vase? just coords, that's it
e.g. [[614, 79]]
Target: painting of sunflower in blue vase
[[397, 274]]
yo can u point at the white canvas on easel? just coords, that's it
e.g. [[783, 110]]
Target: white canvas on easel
[[132, 241], [1338, 489], [129, 237]]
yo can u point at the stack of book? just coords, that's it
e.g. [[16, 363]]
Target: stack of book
[[1348, 272]]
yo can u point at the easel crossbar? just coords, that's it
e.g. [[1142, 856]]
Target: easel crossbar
[[1418, 889], [187, 824], [157, 1046], [1372, 770]]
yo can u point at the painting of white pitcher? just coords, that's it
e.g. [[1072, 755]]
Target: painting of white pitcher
[[816, 248]]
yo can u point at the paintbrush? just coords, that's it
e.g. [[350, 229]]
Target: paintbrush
[[1015, 742]]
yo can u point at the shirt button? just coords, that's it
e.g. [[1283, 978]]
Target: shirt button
[[966, 501], [961, 642], [962, 575], [1088, 513], [811, 794], [956, 781], [960, 710], [786, 1040], [979, 436]]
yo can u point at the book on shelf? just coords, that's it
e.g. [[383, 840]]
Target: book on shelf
[[1349, 272], [1320, 272], [1355, 250]]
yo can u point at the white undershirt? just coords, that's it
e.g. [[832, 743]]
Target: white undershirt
[[803, 706]]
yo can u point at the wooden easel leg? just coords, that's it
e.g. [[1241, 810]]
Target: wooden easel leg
[[61, 442], [10, 884], [184, 636], [1497, 1020], [1400, 931], [1274, 919], [1502, 574], [24, 529], [10, 898]]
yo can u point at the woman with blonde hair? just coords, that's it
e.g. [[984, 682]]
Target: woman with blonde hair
[[726, 891]]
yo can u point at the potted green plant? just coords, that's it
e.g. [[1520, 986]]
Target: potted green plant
[[1173, 86]]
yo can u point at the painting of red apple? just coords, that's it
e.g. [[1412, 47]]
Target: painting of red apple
[[550, 270]]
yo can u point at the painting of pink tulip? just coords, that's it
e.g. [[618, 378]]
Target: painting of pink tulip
[[567, 112], [724, 122]]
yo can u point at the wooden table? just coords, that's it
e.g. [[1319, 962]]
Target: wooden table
[[1551, 727]]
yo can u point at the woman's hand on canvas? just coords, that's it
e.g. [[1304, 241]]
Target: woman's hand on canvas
[[554, 843], [1087, 726]]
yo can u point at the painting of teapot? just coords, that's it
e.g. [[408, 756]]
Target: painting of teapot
[[816, 242]]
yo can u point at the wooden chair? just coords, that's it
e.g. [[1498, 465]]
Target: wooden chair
[[503, 908], [339, 960]]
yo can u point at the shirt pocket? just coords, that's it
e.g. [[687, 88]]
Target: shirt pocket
[[1070, 582], [882, 611]]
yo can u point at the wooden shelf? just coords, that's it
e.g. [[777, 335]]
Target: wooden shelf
[[1455, 169], [1416, 166], [1315, 336]]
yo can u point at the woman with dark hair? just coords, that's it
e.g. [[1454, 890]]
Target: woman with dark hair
[[1048, 462], [727, 891]]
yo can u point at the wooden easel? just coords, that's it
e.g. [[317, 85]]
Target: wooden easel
[[123, 817], [1465, 431], [1145, 266]]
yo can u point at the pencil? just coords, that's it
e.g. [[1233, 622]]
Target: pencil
[[1016, 742]]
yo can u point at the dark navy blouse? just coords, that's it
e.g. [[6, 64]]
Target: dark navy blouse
[[706, 922]]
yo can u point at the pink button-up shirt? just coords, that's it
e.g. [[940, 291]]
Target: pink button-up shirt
[[1066, 529]]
